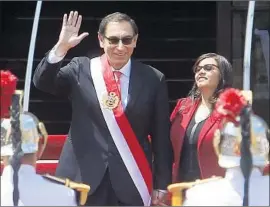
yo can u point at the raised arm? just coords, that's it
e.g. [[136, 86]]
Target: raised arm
[[49, 76]]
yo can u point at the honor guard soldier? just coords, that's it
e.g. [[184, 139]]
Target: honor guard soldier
[[23, 139], [242, 145]]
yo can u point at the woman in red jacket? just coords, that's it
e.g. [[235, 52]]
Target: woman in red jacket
[[194, 124]]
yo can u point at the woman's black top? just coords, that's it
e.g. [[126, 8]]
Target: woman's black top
[[189, 169]]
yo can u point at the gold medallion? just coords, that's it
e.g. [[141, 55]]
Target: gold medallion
[[110, 100]]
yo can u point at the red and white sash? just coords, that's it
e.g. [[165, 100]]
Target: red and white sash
[[121, 130]]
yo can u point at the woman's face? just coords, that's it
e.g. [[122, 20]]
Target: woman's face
[[207, 74]]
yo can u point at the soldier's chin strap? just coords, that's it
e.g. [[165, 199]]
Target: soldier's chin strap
[[15, 160], [246, 157], [15, 163]]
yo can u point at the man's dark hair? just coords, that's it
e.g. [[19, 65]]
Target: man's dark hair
[[116, 17]]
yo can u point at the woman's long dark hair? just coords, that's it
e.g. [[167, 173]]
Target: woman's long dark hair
[[226, 76], [15, 160]]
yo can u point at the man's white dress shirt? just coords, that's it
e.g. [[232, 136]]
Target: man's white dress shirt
[[124, 80]]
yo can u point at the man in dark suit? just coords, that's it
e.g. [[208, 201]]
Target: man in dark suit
[[116, 103]]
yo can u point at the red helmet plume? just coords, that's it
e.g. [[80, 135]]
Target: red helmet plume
[[8, 87], [230, 103]]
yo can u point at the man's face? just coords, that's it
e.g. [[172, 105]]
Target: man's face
[[118, 43]]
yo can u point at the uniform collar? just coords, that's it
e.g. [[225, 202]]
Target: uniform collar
[[125, 70]]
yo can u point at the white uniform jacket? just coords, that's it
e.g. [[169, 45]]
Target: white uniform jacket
[[229, 191], [34, 190]]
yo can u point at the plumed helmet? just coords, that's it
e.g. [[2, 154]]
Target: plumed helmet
[[243, 138], [228, 139], [20, 131], [32, 132]]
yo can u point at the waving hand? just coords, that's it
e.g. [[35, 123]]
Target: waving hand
[[69, 36]]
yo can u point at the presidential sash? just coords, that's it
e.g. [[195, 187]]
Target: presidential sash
[[120, 129]]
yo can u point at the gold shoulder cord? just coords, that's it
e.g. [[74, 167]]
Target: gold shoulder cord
[[83, 189], [177, 189]]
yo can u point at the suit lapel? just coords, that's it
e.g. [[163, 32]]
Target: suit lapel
[[209, 123], [206, 126], [94, 104], [177, 135], [135, 85], [187, 119], [92, 93]]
